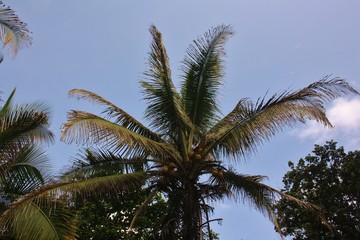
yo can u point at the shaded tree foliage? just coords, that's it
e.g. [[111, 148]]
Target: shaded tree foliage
[[108, 215], [330, 178]]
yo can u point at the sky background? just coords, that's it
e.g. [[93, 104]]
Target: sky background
[[102, 46]]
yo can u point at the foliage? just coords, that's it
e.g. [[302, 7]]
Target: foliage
[[13, 32], [329, 178], [108, 216], [188, 140], [188, 147], [22, 129], [23, 169]]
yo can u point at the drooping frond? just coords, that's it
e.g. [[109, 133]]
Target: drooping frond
[[203, 70], [83, 127], [251, 189], [38, 220], [102, 184], [121, 117], [163, 110], [13, 32], [249, 124], [98, 185]]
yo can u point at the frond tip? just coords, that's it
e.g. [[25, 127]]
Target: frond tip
[[13, 32], [202, 75], [249, 124], [262, 197], [163, 111]]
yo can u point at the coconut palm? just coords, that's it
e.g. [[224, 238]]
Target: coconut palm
[[24, 168], [13, 32], [189, 144]]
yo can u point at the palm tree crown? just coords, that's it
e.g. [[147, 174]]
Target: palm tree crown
[[188, 140]]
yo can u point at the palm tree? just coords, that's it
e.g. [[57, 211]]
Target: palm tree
[[13, 32], [24, 168], [189, 143]]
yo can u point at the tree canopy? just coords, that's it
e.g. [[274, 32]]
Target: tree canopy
[[329, 178], [189, 150]]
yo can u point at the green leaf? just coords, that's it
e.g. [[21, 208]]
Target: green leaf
[[203, 72]]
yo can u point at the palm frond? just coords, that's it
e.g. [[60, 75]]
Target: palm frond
[[26, 123], [25, 171], [98, 185], [164, 110], [7, 103], [241, 131], [13, 32], [203, 70], [35, 220], [83, 127], [121, 117], [251, 189], [95, 163]]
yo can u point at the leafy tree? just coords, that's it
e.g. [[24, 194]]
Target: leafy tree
[[329, 178], [189, 145], [23, 168], [13, 32], [109, 216]]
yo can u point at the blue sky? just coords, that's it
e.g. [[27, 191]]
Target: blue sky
[[102, 47]]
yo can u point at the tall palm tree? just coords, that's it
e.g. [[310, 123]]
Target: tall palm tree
[[189, 144], [14, 33], [23, 169]]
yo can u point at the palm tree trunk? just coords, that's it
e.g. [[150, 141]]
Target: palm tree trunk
[[190, 228]]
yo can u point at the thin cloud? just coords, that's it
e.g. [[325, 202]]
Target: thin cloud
[[344, 114]]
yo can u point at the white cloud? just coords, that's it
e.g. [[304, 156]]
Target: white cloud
[[344, 114]]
